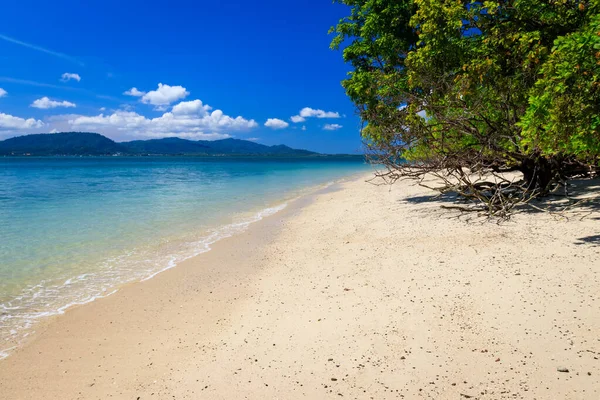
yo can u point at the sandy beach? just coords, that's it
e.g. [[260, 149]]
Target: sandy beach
[[358, 291]]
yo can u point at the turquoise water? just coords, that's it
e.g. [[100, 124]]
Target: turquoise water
[[75, 229]]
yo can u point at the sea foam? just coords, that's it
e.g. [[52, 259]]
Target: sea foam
[[19, 316]]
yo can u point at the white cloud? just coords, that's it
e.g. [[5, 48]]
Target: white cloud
[[102, 108], [190, 119], [67, 76], [296, 118], [164, 95], [304, 128], [206, 136], [9, 122], [45, 103], [253, 139], [119, 119], [332, 127], [134, 92], [275, 123], [54, 130], [3, 92], [191, 107], [308, 112]]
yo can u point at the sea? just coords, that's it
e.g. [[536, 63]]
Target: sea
[[73, 230]]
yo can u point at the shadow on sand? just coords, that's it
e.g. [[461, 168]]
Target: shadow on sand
[[593, 240], [583, 201]]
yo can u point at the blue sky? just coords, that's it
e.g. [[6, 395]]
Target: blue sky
[[202, 70]]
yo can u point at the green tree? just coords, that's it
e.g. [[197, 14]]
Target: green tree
[[472, 90]]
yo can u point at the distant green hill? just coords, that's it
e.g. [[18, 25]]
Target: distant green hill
[[224, 146], [94, 144], [164, 146], [71, 143], [237, 146]]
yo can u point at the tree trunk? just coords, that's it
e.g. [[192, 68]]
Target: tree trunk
[[539, 173]]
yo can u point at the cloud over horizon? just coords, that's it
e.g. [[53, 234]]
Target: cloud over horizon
[[165, 95], [10, 122], [191, 119], [191, 107]]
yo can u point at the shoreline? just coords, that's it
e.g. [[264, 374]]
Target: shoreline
[[214, 235], [355, 291]]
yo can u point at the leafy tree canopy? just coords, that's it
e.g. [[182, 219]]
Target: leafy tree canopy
[[460, 87]]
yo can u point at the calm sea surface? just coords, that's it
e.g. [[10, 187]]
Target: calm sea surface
[[75, 229]]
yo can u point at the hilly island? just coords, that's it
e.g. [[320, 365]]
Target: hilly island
[[94, 144]]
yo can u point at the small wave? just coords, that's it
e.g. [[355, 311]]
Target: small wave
[[6, 352], [19, 315], [221, 233]]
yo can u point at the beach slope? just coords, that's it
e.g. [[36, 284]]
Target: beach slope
[[356, 292]]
